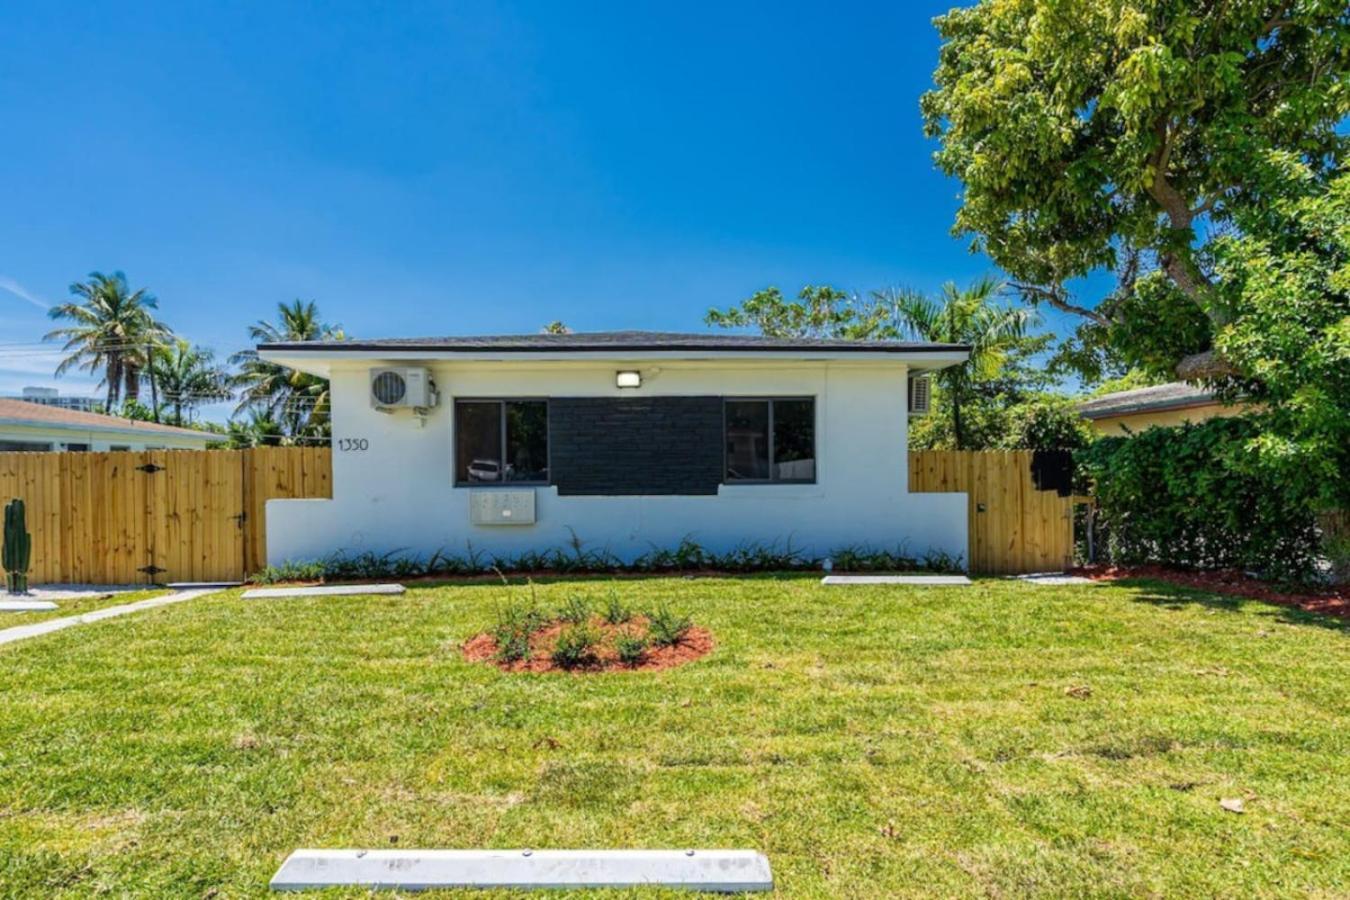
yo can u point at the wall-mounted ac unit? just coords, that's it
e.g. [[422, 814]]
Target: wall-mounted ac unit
[[920, 394], [404, 387]]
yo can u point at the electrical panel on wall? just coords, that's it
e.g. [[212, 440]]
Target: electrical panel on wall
[[498, 507]]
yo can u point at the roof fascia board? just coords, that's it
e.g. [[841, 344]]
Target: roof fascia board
[[204, 436], [306, 360]]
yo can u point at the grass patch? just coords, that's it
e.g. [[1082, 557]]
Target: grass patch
[[77, 606], [874, 741]]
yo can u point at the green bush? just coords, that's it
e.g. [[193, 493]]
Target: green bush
[[631, 648], [517, 619], [667, 628], [615, 612], [575, 609], [575, 647], [1193, 497]]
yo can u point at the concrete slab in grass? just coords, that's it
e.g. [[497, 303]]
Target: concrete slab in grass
[[327, 590], [1053, 578], [7, 605], [721, 871], [919, 580]]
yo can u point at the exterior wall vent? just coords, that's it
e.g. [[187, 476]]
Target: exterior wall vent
[[920, 394]]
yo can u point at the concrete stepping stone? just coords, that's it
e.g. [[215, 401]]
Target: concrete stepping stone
[[721, 871], [326, 590], [26, 605], [1053, 578], [921, 580]]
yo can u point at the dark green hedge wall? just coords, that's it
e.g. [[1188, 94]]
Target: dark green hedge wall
[[1192, 496]]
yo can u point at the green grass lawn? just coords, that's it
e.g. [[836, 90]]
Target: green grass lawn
[[1005, 739], [76, 606]]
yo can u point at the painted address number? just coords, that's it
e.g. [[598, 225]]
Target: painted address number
[[358, 445]]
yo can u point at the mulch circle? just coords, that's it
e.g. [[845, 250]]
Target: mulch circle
[[696, 643], [1330, 601]]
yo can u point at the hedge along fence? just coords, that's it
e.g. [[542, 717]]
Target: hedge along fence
[[1189, 496]]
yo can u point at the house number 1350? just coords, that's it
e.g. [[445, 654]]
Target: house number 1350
[[357, 444]]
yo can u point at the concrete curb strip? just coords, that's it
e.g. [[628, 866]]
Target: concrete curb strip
[[931, 580], [329, 590], [720, 871], [21, 632]]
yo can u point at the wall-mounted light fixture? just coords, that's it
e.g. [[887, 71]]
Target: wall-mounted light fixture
[[628, 379]]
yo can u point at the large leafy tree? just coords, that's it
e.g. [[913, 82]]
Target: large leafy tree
[[1128, 134], [1286, 269], [819, 311], [111, 332], [187, 377], [297, 401]]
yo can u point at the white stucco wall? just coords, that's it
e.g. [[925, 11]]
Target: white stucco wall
[[399, 493]]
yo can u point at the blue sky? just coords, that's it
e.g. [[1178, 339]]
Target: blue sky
[[462, 167]]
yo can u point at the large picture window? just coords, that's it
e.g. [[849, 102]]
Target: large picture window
[[501, 442], [770, 440]]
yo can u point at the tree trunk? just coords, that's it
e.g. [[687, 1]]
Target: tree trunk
[[956, 420], [113, 375], [133, 382], [1205, 365]]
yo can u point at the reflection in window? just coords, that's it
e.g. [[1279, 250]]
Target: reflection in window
[[771, 440], [501, 441]]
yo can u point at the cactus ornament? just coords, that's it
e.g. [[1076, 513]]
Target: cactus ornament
[[18, 548]]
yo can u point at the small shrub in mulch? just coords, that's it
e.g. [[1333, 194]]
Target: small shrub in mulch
[[526, 640]]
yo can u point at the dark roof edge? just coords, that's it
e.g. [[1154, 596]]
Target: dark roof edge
[[860, 347], [1128, 409]]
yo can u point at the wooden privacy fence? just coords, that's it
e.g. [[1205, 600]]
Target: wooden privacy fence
[[1014, 528], [193, 515], [156, 515]]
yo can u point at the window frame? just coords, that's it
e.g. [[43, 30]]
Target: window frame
[[773, 440], [501, 419]]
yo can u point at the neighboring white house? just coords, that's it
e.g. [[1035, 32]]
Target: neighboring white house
[[34, 426], [626, 441]]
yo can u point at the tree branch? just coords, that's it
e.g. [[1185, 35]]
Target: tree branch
[[1055, 297]]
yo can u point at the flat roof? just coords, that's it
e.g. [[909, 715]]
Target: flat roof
[[1174, 395], [643, 341], [38, 415]]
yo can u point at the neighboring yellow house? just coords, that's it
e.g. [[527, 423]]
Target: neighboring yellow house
[[1125, 412]]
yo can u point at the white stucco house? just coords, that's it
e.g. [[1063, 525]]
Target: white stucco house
[[628, 441], [27, 426]]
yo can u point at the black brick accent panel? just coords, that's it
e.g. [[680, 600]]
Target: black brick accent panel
[[637, 445]]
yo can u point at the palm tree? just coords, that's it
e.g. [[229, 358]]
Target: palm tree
[[112, 330], [969, 317], [261, 430], [188, 377], [300, 402]]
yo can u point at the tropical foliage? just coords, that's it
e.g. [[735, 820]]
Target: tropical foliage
[[1127, 135], [1188, 496], [972, 317], [296, 401], [1000, 398], [1198, 149], [111, 334], [187, 377]]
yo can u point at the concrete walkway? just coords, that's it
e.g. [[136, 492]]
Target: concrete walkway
[[20, 632]]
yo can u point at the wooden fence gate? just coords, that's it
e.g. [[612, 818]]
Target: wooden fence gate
[[156, 515], [1014, 528]]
